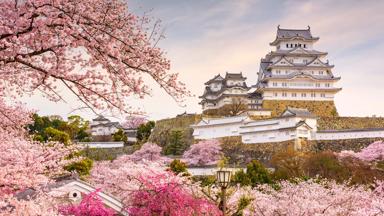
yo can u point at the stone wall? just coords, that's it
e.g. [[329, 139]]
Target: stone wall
[[319, 108], [240, 154], [340, 145], [339, 123]]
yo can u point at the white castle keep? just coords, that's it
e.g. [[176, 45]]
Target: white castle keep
[[295, 70]]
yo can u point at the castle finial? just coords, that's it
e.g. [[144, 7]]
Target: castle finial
[[278, 26], [309, 27]]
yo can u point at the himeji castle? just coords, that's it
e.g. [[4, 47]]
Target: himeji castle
[[294, 71]]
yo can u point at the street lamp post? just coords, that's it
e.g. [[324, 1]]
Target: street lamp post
[[223, 177]]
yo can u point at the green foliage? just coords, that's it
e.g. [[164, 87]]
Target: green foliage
[[319, 108], [288, 164], [241, 178], [241, 205], [120, 136], [176, 144], [256, 174], [46, 128], [177, 167], [82, 167], [53, 134], [144, 131], [327, 165], [161, 134], [208, 180]]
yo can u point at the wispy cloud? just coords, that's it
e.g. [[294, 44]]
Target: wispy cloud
[[206, 37]]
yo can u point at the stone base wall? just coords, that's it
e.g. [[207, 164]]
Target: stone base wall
[[340, 145], [240, 154], [319, 108]]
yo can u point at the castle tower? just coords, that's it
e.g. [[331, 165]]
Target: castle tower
[[220, 91], [296, 71]]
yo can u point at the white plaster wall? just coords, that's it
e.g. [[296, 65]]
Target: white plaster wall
[[235, 82], [216, 131], [99, 131], [268, 136], [259, 112], [215, 86], [348, 135], [102, 144], [270, 95]]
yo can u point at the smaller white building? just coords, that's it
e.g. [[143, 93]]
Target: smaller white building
[[293, 123], [102, 126], [222, 127]]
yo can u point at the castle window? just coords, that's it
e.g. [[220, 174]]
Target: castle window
[[321, 72], [274, 84], [284, 84], [303, 95], [284, 94], [294, 94], [286, 72], [275, 94], [305, 61], [299, 45], [291, 45], [322, 95], [295, 45], [317, 84], [305, 46], [286, 45], [313, 94], [327, 85]]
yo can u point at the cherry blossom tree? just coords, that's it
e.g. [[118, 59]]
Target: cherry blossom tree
[[90, 205], [147, 152], [206, 152], [25, 164], [310, 198], [148, 189], [133, 122], [95, 48], [164, 195], [373, 152]]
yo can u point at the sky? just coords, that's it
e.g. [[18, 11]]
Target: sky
[[207, 37]]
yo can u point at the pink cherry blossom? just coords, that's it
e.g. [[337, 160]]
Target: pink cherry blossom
[[90, 205], [206, 152], [97, 49], [373, 152]]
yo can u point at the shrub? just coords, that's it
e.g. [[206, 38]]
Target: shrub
[[256, 174], [176, 144], [120, 136], [144, 131], [57, 135], [177, 167], [326, 165], [288, 164], [82, 167], [208, 180]]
